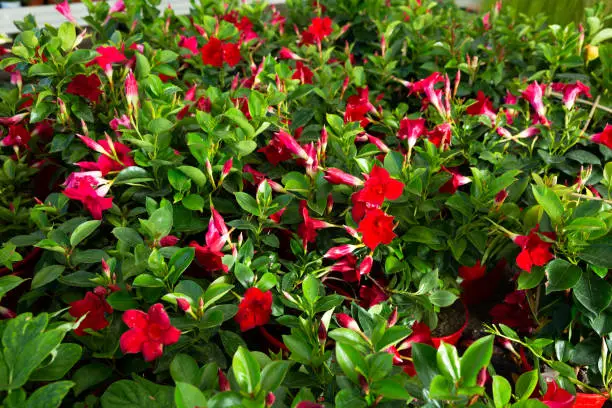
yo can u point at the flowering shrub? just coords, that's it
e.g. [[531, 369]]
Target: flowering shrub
[[343, 203]]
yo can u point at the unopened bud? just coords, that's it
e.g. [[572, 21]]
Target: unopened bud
[[183, 304], [392, 318], [227, 167], [322, 333], [270, 398], [363, 383], [223, 382], [347, 322], [106, 269], [366, 265]]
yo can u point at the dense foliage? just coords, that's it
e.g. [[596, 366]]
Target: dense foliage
[[342, 203]]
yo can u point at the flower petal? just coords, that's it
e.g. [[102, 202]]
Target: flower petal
[[158, 315], [132, 340], [135, 319], [152, 350]]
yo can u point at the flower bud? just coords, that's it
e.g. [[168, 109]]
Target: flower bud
[[337, 176], [223, 382], [363, 383], [7, 313], [347, 322], [99, 291], [183, 304], [322, 333], [168, 240], [106, 269], [338, 252], [500, 197], [330, 203], [131, 92], [392, 318], [366, 265], [270, 398], [227, 167]]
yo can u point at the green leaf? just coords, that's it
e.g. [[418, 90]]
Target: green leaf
[[247, 203], [502, 391], [593, 292], [132, 174], [122, 301], [562, 275], [244, 274], [194, 174], [148, 281], [193, 202], [391, 389], [246, 370], [49, 396], [41, 69], [128, 235], [392, 336], [602, 36], [273, 375], [236, 116], [143, 68], [529, 280], [245, 147], [441, 388], [310, 287], [188, 396], [47, 275], [67, 34], [215, 292], [351, 361], [599, 253], [90, 375], [8, 283], [442, 298], [161, 221], [184, 369], [550, 202], [476, 357], [83, 231], [424, 357], [66, 356], [525, 384], [141, 394], [301, 351], [159, 125], [448, 361], [179, 262]]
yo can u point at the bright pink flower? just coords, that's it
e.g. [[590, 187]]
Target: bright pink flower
[[482, 106], [572, 91], [95, 307], [114, 155], [254, 309], [86, 194], [347, 322], [286, 54], [320, 28], [440, 135], [456, 181], [535, 251], [302, 73], [427, 86], [13, 120], [308, 229], [118, 7], [337, 176], [64, 10], [16, 78], [557, 397], [149, 332], [376, 228], [210, 256], [131, 91], [486, 21], [91, 178], [86, 86], [108, 56], [17, 135], [604, 138], [123, 120], [380, 186], [191, 43], [411, 130], [534, 94]]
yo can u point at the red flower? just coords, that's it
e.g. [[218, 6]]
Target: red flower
[[440, 135], [357, 106], [149, 332], [308, 229], [482, 106], [210, 256], [347, 266], [371, 296], [108, 56], [114, 155], [379, 186], [533, 94], [17, 135], [86, 194], [376, 228], [557, 397], [215, 52], [86, 86], [275, 151], [469, 273], [254, 309], [95, 307], [302, 73], [320, 28], [514, 312], [191, 43], [411, 129], [456, 181], [604, 138], [535, 250]]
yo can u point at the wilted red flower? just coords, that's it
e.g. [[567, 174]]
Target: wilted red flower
[[320, 28], [380, 186], [149, 332], [254, 309], [571, 92], [440, 135], [455, 182], [86, 86], [534, 94], [17, 135], [514, 312], [604, 138], [482, 106], [469, 273], [376, 228], [95, 307], [191, 43], [557, 397], [210, 256], [411, 130], [535, 251], [86, 194], [302, 73]]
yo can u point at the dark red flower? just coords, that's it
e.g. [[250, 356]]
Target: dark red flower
[[514, 312], [380, 186], [168, 240], [302, 73], [456, 181], [254, 309], [604, 138], [371, 295], [320, 28], [535, 251], [347, 266], [482, 106], [86, 194], [420, 334], [557, 397], [149, 332], [86, 86], [469, 273], [275, 151], [95, 307], [376, 228], [17, 135]]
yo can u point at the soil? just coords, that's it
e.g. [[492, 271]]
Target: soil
[[450, 320]]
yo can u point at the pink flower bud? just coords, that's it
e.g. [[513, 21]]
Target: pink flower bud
[[227, 167], [392, 318], [366, 265], [16, 78], [190, 95], [168, 240], [224, 384], [337, 176], [106, 269], [339, 251], [292, 145], [131, 91], [323, 139], [330, 203], [347, 322], [351, 231], [285, 53], [529, 132], [7, 313], [378, 143], [270, 398], [64, 10], [183, 304]]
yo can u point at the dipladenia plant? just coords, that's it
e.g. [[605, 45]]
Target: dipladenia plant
[[325, 204]]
